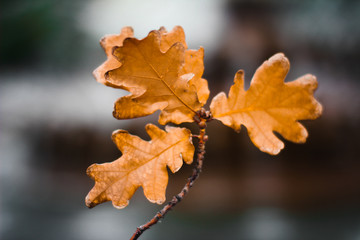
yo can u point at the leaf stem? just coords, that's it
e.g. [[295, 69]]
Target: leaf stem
[[203, 117]]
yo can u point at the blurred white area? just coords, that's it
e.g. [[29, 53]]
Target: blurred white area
[[101, 224], [265, 224], [76, 99], [202, 20]]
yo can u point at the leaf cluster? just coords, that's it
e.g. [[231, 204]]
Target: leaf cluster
[[162, 74]]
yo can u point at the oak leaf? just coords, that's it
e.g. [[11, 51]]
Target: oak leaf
[[143, 164], [179, 90], [269, 105]]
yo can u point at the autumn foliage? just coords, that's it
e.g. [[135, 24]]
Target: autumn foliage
[[142, 164], [161, 73], [269, 105]]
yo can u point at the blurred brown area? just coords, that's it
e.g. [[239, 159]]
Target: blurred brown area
[[55, 121]]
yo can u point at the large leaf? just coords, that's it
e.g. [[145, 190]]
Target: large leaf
[[269, 105], [163, 56], [143, 164], [153, 78]]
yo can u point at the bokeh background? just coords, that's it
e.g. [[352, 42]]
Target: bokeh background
[[55, 121]]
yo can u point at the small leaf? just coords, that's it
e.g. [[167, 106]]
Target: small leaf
[[143, 164], [108, 43], [269, 105]]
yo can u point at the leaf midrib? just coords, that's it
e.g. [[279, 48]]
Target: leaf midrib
[[162, 78], [134, 169]]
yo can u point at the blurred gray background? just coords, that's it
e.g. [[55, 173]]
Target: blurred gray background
[[55, 121]]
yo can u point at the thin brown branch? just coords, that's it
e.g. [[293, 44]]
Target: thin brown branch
[[203, 117]]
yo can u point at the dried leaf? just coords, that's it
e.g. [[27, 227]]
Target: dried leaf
[[143, 164], [269, 105], [154, 79], [191, 70], [108, 43]]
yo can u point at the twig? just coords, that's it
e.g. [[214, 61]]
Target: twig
[[203, 117]]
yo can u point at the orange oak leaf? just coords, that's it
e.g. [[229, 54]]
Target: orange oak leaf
[[143, 163], [193, 62], [270, 104], [108, 43], [155, 81]]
